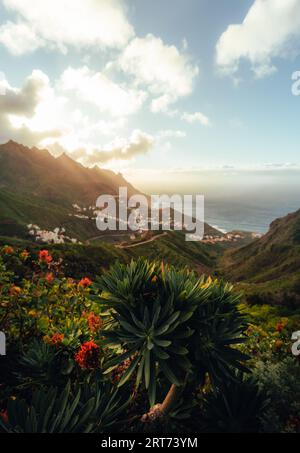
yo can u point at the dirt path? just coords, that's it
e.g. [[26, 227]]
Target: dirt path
[[104, 236], [130, 246]]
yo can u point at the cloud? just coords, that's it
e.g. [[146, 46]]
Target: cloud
[[65, 23], [269, 30], [167, 73], [19, 105], [19, 38], [139, 143], [172, 134], [24, 101], [196, 117], [97, 89]]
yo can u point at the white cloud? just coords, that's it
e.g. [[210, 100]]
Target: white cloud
[[196, 117], [162, 103], [64, 23], [139, 143], [168, 74], [268, 31], [172, 134], [18, 108], [96, 88], [38, 114], [19, 38]]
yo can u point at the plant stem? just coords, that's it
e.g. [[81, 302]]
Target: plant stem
[[171, 398]]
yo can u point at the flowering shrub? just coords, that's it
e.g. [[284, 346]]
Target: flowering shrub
[[85, 282], [143, 329], [45, 304], [88, 355]]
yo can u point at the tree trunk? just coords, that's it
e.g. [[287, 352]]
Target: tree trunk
[[171, 398]]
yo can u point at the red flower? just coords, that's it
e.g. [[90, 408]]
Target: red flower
[[279, 327], [4, 416], [44, 257], [49, 277], [94, 322], [15, 291], [24, 255], [85, 282], [57, 338], [88, 355], [8, 250]]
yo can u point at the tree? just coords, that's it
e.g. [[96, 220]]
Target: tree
[[171, 323]]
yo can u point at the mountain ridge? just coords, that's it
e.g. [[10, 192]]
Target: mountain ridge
[[38, 188], [40, 170], [270, 264]]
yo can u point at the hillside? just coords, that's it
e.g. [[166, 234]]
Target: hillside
[[89, 260], [43, 193], [270, 264], [35, 172], [37, 188], [49, 192]]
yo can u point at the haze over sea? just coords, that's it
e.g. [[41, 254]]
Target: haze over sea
[[247, 215], [247, 201]]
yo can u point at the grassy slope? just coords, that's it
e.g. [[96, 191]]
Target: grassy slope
[[269, 268], [17, 211], [80, 260]]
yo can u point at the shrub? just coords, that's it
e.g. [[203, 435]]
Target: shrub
[[170, 323], [87, 408], [281, 381], [236, 407]]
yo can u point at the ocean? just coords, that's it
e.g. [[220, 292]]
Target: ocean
[[255, 215]]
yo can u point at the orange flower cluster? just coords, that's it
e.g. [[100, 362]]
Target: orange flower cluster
[[94, 322], [24, 255], [88, 355], [7, 250], [57, 338], [49, 277], [45, 257], [85, 282], [15, 291]]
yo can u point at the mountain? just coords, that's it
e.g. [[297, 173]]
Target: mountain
[[39, 189], [61, 180], [269, 267], [39, 192]]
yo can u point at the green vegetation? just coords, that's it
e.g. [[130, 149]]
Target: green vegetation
[[147, 338], [143, 347], [90, 259], [268, 269]]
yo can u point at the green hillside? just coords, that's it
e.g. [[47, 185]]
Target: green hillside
[[80, 260], [269, 267], [36, 188]]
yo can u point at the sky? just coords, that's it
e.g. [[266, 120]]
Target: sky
[[170, 93]]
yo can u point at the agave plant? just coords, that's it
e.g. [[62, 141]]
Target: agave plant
[[218, 326], [42, 364], [169, 322], [87, 408], [236, 407], [110, 403]]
